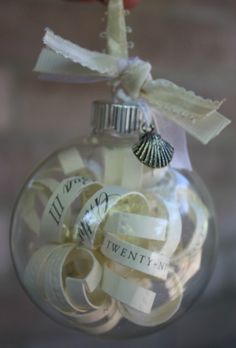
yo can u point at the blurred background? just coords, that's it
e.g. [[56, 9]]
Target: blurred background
[[190, 42]]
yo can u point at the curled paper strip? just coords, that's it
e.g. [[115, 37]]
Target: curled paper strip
[[45, 279], [131, 169], [200, 217], [119, 166], [174, 227], [82, 290], [93, 277], [29, 214], [41, 189], [47, 184], [140, 226], [105, 327], [92, 215], [73, 294], [188, 266], [81, 298], [94, 317], [54, 214], [127, 292], [53, 279], [132, 256], [112, 159], [158, 315], [70, 161], [34, 271]]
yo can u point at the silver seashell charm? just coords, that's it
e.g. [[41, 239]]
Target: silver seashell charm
[[152, 150]]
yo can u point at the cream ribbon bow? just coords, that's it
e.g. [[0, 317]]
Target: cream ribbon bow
[[131, 77]]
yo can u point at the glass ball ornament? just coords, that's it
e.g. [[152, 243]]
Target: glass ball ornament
[[102, 243]]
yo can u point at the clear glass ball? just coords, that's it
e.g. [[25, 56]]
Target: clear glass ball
[[108, 246]]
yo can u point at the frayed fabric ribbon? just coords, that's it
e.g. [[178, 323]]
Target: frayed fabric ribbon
[[131, 79]]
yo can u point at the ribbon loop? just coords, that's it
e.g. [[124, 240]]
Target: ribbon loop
[[116, 39]]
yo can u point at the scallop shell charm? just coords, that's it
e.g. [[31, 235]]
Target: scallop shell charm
[[152, 150]]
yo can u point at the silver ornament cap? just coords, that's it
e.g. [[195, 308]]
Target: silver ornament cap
[[124, 118]]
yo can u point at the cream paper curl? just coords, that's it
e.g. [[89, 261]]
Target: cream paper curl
[[111, 274]]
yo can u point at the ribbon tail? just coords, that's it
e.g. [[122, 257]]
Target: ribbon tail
[[116, 30], [203, 130], [176, 136], [54, 67], [196, 115], [99, 62]]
